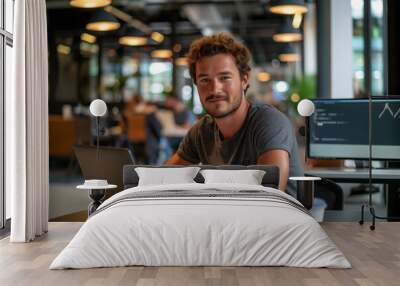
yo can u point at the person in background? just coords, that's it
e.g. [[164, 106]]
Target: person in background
[[137, 106], [183, 117], [234, 131]]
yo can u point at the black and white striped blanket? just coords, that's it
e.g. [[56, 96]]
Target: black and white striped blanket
[[203, 194]]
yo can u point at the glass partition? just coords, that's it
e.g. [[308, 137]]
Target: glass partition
[[7, 83], [6, 42], [357, 7], [368, 57], [377, 48]]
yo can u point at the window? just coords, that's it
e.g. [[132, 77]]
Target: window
[[368, 47], [357, 7], [377, 48], [6, 43]]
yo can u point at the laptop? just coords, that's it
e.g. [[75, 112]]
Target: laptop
[[107, 166]]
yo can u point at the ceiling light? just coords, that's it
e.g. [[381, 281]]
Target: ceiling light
[[263, 76], [289, 55], [287, 34], [281, 86], [132, 40], [158, 37], [177, 48], [132, 37], [89, 3], [63, 49], [297, 19], [102, 22], [102, 26], [295, 97], [161, 54], [182, 61], [288, 7], [287, 37], [88, 38]]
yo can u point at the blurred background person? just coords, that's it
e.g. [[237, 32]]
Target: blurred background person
[[142, 129], [177, 122]]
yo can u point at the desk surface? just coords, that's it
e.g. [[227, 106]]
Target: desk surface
[[344, 174]]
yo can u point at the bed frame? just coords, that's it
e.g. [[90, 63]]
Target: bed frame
[[270, 179]]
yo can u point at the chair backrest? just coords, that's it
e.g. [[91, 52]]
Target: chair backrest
[[136, 128], [270, 179], [108, 166], [330, 192], [62, 136]]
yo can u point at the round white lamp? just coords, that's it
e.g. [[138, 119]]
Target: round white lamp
[[98, 108], [305, 185], [305, 108]]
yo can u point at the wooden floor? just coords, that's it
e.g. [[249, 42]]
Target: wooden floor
[[375, 256]]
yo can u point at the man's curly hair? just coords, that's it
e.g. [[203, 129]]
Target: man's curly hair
[[221, 43]]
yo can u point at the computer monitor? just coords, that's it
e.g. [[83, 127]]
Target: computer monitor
[[107, 166], [338, 129]]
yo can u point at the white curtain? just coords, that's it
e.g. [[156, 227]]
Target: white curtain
[[27, 123]]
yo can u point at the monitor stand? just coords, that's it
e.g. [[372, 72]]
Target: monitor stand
[[364, 188]]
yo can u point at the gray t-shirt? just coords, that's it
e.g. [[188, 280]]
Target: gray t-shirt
[[265, 128]]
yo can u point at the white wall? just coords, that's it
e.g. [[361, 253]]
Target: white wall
[[341, 49], [310, 40]]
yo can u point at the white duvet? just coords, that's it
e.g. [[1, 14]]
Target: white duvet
[[185, 231]]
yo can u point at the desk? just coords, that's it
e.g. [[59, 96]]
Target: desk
[[389, 177], [356, 175]]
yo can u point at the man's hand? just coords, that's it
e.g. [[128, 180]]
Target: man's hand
[[278, 158], [177, 160]]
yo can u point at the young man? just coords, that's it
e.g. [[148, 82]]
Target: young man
[[234, 131]]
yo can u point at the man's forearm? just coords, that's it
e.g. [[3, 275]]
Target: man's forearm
[[176, 160], [279, 158]]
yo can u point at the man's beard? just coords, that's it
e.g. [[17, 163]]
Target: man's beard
[[235, 106]]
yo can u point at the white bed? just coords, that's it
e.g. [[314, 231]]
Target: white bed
[[225, 225]]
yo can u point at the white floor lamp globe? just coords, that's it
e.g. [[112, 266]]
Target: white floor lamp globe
[[306, 185], [306, 108], [98, 108]]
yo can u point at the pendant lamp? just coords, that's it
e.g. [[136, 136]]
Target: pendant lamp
[[288, 7], [90, 3], [289, 54], [287, 34], [102, 22], [132, 37]]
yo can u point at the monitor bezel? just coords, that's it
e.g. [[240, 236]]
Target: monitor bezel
[[374, 98]]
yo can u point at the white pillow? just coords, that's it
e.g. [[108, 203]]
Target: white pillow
[[249, 177], [164, 176]]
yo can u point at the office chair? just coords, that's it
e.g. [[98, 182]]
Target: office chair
[[330, 192]]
